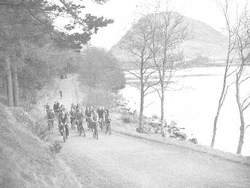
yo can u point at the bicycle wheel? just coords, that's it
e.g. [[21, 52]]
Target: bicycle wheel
[[64, 136], [96, 133], [80, 131]]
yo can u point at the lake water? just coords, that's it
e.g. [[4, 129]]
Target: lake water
[[192, 101]]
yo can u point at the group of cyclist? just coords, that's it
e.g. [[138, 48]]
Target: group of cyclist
[[96, 118]]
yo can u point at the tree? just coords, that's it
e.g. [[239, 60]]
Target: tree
[[138, 45], [16, 26], [243, 50], [100, 72], [32, 21], [100, 69], [9, 83], [168, 32], [80, 26], [227, 73]]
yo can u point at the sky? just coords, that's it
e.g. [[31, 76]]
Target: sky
[[126, 12]]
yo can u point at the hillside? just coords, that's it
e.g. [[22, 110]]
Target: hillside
[[25, 160], [202, 40]]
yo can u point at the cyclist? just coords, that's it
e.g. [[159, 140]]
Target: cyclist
[[107, 122]]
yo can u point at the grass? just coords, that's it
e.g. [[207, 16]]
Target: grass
[[27, 161]]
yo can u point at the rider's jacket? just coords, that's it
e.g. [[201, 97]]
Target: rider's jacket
[[94, 116], [63, 117], [107, 118], [56, 107], [50, 115], [100, 113], [79, 116], [88, 113], [72, 113]]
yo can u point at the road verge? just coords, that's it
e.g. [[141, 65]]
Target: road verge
[[125, 131]]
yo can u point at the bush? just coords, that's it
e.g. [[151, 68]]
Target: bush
[[99, 97], [55, 147], [32, 77], [38, 127], [126, 119], [101, 70]]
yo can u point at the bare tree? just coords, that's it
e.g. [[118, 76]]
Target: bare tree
[[243, 50], [138, 45], [168, 31], [225, 86]]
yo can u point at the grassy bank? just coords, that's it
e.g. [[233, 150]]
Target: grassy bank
[[26, 161]]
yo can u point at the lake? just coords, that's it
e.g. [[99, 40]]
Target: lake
[[192, 101]]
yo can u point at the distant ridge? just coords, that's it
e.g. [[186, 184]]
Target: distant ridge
[[203, 40]]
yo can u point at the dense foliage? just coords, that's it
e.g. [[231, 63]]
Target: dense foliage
[[101, 70], [36, 49]]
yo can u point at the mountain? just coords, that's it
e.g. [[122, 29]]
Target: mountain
[[202, 40]]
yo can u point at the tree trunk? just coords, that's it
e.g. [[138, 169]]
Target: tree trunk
[[15, 86], [141, 107], [9, 83], [141, 96], [6, 88], [162, 109], [223, 91], [242, 120], [215, 127], [220, 103], [242, 135], [162, 83], [4, 78]]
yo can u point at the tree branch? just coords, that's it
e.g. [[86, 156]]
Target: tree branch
[[245, 79], [244, 101], [248, 104], [134, 74]]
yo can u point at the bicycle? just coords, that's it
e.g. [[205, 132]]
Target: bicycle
[[101, 123], [64, 131], [93, 125], [80, 128], [50, 124]]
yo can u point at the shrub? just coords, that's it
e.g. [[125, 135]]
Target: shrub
[[101, 70], [126, 119], [55, 147]]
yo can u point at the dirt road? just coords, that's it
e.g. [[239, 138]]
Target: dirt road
[[118, 161]]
